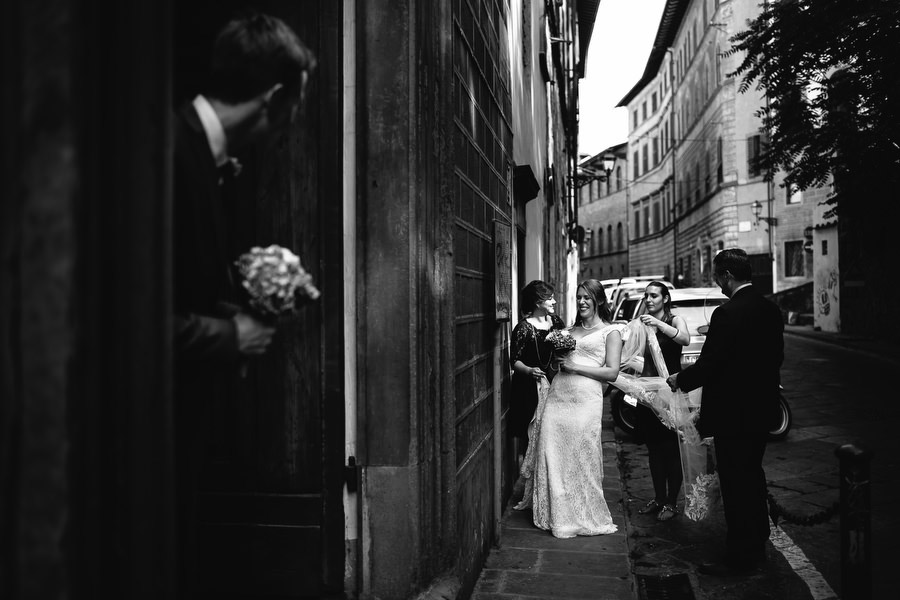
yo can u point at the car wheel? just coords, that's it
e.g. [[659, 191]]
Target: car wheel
[[784, 420], [624, 415]]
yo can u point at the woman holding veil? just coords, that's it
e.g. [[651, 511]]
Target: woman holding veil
[[564, 464], [662, 442]]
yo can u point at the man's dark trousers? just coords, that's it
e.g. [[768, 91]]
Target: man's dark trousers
[[743, 483]]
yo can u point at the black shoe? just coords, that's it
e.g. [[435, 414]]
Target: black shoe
[[728, 569]]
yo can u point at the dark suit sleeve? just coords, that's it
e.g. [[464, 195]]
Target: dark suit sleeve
[[714, 353], [202, 338], [204, 330]]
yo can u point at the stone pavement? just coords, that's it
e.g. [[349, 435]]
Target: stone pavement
[[645, 560], [860, 343], [531, 563]]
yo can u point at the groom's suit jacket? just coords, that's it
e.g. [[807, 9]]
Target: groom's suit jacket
[[739, 366], [205, 335], [206, 348]]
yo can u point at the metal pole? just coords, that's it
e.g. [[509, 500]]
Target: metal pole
[[856, 525]]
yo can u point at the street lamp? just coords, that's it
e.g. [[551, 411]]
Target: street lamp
[[756, 207]]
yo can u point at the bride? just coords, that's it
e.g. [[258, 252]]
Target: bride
[[564, 469]]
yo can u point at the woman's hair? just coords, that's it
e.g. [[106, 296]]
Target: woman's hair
[[534, 293], [667, 297], [254, 52], [595, 290]]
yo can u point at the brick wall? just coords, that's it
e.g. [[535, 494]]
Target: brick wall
[[482, 141]]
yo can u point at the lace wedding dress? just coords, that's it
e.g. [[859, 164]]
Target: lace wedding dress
[[564, 468]]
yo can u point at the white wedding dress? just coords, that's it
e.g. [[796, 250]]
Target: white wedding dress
[[564, 474]]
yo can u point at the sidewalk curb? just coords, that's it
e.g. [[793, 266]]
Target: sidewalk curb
[[620, 463], [848, 343]]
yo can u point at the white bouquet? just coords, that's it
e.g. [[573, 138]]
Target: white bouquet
[[274, 280]]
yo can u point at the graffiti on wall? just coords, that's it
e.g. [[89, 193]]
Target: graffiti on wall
[[826, 292]]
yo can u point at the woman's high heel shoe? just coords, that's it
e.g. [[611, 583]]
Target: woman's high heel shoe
[[650, 508]]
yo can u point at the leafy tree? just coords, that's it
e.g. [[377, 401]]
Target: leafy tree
[[831, 75]]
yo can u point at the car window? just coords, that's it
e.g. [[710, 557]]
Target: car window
[[696, 312], [626, 308]]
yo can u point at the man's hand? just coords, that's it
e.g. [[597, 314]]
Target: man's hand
[[253, 335], [673, 382]]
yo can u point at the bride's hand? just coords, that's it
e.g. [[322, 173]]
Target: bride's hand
[[566, 366]]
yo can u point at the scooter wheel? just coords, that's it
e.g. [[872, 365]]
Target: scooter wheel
[[624, 415], [783, 421]]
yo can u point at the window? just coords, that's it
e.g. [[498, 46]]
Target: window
[[656, 220], [655, 151], [793, 259], [720, 172], [634, 119], [644, 160], [792, 195], [637, 165], [647, 220], [618, 178], [707, 183], [637, 224], [697, 182], [620, 244], [599, 247], [824, 247], [644, 110], [653, 102], [609, 245], [755, 147]]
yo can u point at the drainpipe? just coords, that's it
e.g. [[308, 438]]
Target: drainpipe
[[672, 111]]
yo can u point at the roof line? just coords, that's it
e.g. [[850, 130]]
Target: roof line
[[672, 15]]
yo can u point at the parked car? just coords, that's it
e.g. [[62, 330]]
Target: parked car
[[695, 306]]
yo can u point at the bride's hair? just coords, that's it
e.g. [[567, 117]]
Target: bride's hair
[[667, 297], [595, 290]]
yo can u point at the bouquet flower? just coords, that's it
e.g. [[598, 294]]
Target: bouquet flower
[[274, 280], [561, 340]]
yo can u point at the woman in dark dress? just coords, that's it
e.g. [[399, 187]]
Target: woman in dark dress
[[530, 355], [662, 442]]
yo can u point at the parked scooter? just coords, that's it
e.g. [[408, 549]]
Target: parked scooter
[[624, 414]]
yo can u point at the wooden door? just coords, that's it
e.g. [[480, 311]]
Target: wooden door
[[271, 510]]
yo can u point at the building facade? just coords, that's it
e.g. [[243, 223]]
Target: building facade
[[693, 141], [366, 453], [603, 212]]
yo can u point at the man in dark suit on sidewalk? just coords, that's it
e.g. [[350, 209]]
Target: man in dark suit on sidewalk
[[739, 370], [258, 76]]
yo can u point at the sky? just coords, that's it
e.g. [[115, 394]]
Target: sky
[[620, 46]]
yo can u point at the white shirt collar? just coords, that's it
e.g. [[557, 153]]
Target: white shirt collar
[[215, 133], [739, 288]]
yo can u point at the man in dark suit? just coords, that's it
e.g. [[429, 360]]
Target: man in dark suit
[[738, 369], [259, 72]]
